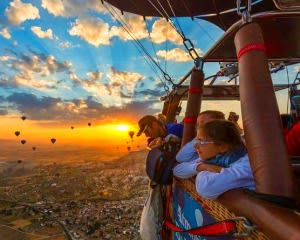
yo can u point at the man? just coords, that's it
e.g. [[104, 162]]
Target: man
[[233, 117], [157, 131], [187, 152]]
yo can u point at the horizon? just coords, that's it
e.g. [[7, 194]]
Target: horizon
[[70, 63]]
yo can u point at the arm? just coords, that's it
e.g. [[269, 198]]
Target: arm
[[239, 175], [186, 169], [157, 142], [209, 167], [187, 152]]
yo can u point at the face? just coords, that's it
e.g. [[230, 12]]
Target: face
[[206, 147], [153, 130]]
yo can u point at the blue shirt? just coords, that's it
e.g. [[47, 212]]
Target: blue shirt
[[210, 185], [175, 129], [187, 152]]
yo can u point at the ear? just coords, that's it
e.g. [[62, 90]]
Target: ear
[[223, 148]]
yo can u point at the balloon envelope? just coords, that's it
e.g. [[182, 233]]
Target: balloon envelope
[[131, 134], [89, 124], [23, 141], [23, 118], [53, 140], [33, 148], [17, 133], [72, 127]]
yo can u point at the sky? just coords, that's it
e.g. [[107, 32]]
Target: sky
[[70, 62]]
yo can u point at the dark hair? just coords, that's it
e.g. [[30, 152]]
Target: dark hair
[[285, 120], [222, 131], [213, 114]]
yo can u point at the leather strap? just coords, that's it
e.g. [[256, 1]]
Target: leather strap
[[225, 227]]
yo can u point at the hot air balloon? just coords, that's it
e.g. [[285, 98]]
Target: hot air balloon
[[131, 134], [33, 148], [19, 161], [53, 140], [89, 124], [72, 127], [128, 148], [23, 118], [23, 141], [17, 133]]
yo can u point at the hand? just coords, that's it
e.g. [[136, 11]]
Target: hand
[[157, 142], [208, 167]]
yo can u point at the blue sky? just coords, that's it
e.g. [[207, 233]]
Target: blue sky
[[71, 60]]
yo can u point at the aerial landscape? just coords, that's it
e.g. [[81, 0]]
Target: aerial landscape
[[76, 78], [80, 197]]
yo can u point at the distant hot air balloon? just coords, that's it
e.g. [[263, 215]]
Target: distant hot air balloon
[[89, 124], [53, 140], [72, 127], [23, 141], [19, 161], [33, 148], [23, 118], [128, 148], [131, 134], [17, 133]]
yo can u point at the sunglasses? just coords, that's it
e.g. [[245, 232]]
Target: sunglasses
[[202, 142]]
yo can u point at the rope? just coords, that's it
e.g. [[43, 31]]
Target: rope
[[140, 45]]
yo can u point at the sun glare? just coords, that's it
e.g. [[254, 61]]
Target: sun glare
[[123, 127]]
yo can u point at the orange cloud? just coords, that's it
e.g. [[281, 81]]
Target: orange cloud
[[19, 12]]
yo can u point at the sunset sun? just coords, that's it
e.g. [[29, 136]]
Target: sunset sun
[[122, 127]]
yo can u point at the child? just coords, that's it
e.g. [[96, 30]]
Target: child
[[224, 163]]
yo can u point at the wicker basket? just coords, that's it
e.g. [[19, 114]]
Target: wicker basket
[[216, 209]]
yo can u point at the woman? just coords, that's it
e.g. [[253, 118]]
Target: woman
[[223, 162]]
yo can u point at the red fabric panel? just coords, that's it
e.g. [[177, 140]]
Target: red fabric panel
[[292, 140]]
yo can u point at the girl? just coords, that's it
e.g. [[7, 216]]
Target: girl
[[223, 162]]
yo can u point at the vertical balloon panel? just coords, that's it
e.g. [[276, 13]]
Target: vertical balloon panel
[[188, 213]]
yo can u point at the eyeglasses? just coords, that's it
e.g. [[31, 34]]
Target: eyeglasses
[[202, 142]]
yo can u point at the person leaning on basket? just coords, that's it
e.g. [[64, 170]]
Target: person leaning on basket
[[157, 131], [188, 152], [223, 162]]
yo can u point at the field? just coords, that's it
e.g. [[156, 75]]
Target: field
[[88, 198]]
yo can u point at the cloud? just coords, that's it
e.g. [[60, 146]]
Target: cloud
[[92, 30], [3, 112], [122, 81], [42, 34], [137, 28], [45, 108], [67, 44], [34, 71], [6, 58], [67, 8], [153, 93], [94, 76], [76, 110], [176, 54], [19, 12], [54, 7], [162, 31], [118, 89], [5, 33]]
